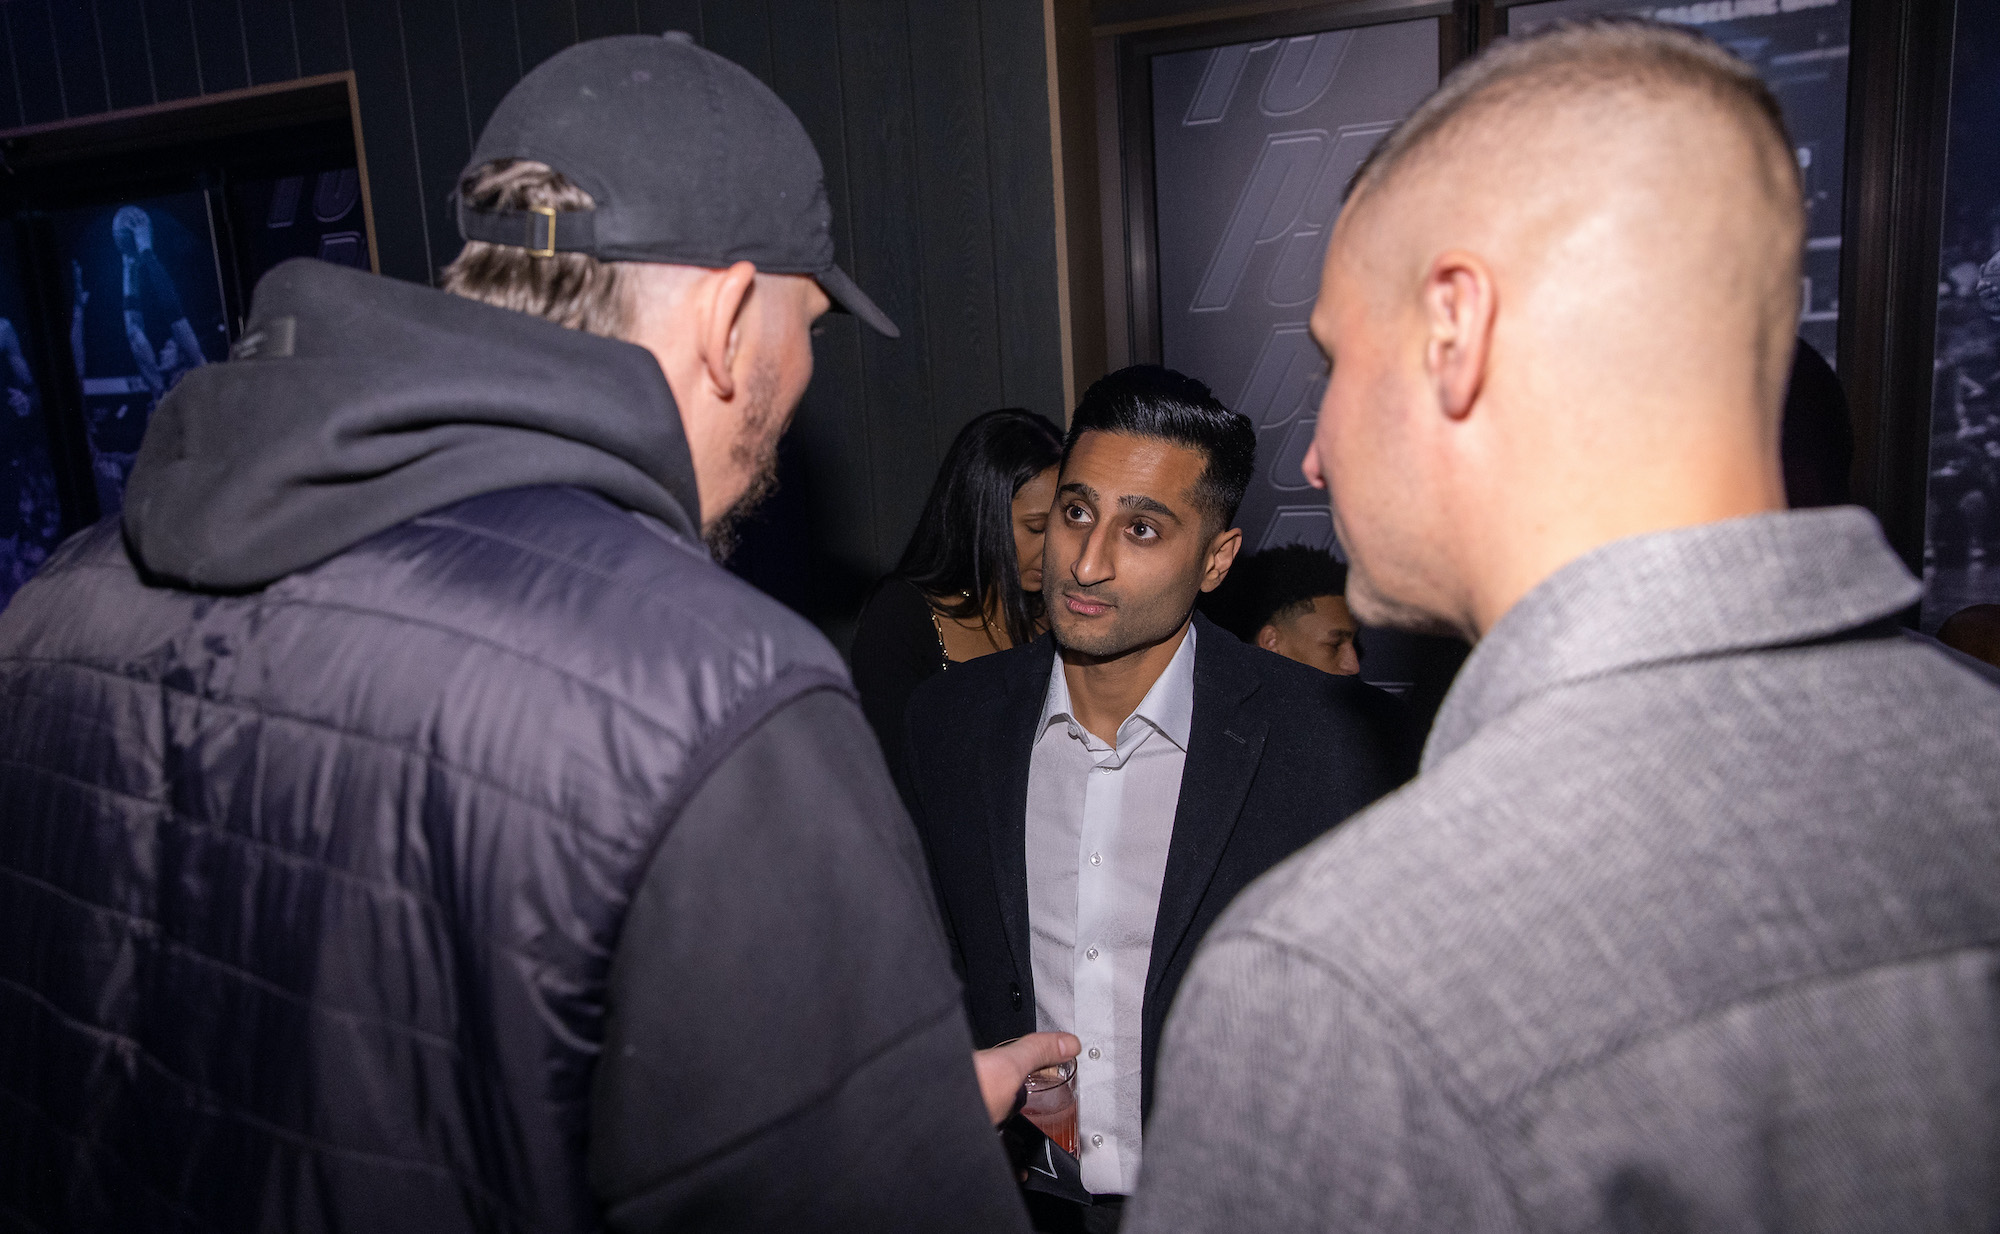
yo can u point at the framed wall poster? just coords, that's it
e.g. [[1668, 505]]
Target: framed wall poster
[[30, 510], [1961, 563], [1239, 139], [315, 214], [132, 245], [146, 308], [1253, 146]]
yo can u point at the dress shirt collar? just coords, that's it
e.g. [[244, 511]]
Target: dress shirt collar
[[1768, 580], [1167, 709]]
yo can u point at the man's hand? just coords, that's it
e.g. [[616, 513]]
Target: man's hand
[[1004, 1068]]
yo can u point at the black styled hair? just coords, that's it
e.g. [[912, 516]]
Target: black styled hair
[[1272, 585], [962, 551], [1149, 401]]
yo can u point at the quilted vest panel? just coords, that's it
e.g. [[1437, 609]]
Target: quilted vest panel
[[308, 896]]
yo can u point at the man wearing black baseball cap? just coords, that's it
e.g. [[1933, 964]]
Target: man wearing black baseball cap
[[408, 825]]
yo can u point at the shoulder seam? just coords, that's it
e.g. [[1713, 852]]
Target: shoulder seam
[[749, 714]]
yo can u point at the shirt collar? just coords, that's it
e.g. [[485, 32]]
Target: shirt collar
[[1168, 707], [1768, 580]]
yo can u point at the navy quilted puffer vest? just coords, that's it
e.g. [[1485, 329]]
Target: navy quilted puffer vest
[[308, 895]]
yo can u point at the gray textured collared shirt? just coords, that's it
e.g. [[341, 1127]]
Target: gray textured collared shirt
[[1100, 821], [1690, 923]]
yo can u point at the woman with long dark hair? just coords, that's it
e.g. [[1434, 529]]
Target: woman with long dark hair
[[970, 581]]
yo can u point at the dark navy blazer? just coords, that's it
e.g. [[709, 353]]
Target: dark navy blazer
[[1278, 753]]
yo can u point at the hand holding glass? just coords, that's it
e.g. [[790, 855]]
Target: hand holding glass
[[1051, 1104]]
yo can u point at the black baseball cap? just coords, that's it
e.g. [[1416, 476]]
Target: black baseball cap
[[690, 159]]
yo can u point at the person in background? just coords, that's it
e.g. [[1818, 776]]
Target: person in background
[[1290, 600], [78, 301], [152, 305], [1690, 922], [23, 396], [405, 823], [1975, 631], [970, 581], [1092, 800]]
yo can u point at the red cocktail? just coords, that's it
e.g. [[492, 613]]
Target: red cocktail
[[1051, 1104]]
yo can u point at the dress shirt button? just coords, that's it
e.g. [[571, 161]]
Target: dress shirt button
[[1091, 954], [1096, 860], [1097, 1141], [1093, 1051]]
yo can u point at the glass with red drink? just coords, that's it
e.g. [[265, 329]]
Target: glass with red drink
[[1051, 1104]]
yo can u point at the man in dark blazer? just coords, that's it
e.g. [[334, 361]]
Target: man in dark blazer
[[1091, 801]]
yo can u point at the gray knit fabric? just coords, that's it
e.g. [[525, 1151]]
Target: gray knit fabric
[[1690, 923]]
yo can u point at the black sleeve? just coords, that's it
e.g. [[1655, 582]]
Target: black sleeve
[[1402, 733], [895, 651], [912, 786], [786, 1047]]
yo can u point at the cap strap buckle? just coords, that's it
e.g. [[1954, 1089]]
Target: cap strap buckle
[[549, 249]]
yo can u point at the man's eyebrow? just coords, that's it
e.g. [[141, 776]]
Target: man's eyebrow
[[1080, 489], [1146, 505]]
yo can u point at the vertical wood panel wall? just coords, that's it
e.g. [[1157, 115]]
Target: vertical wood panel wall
[[930, 115]]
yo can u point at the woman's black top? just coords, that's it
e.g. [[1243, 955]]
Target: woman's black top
[[896, 649]]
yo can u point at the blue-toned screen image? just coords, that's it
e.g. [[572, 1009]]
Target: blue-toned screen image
[[1962, 530], [30, 519], [145, 309]]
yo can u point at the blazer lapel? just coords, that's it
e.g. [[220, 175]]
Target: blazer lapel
[[1006, 782], [1224, 746]]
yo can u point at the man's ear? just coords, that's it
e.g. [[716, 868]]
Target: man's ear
[[720, 324], [1267, 638], [1221, 556], [1460, 300]]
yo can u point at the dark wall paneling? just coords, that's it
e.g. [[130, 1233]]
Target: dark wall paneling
[[740, 30], [79, 59], [1022, 176], [931, 117], [439, 124], [874, 48], [32, 36], [660, 16], [323, 36], [375, 40], [128, 60], [545, 27], [10, 92], [490, 56], [220, 44], [176, 63], [596, 19], [269, 42], [955, 217], [833, 471]]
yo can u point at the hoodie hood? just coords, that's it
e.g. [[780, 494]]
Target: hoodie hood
[[354, 403]]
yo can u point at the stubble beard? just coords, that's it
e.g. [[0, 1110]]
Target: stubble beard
[[755, 450], [1130, 631]]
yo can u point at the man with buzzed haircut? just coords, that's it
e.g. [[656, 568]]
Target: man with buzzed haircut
[[1690, 921]]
